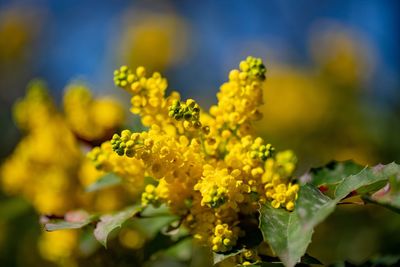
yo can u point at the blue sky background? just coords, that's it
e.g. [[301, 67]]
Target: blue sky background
[[80, 40], [77, 38]]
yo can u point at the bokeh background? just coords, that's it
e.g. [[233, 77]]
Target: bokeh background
[[332, 90]]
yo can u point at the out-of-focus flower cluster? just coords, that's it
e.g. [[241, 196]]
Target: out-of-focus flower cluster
[[333, 92], [158, 39], [208, 168], [90, 119], [48, 166]]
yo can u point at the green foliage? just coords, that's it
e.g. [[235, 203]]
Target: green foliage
[[289, 233], [285, 233], [13, 208], [388, 196], [251, 239], [72, 220], [219, 257], [110, 222], [108, 180]]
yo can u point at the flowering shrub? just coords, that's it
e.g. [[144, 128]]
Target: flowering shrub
[[221, 170], [49, 168], [224, 186]]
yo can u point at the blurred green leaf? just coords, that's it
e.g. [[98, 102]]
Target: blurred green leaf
[[268, 264], [308, 259], [333, 172], [152, 220], [87, 243], [386, 197], [330, 175], [110, 222], [367, 177], [379, 261], [385, 260], [151, 211], [105, 181], [182, 250], [11, 208], [72, 220], [151, 226], [63, 225], [219, 257], [159, 243]]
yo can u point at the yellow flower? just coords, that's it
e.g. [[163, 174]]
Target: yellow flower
[[209, 168], [58, 246], [48, 167], [224, 238], [90, 118]]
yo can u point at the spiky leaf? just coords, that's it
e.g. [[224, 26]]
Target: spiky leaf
[[72, 220], [289, 233], [110, 222], [105, 181]]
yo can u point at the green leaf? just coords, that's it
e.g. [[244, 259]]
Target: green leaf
[[159, 243], [333, 172], [289, 233], [366, 177], [329, 176], [219, 257], [14, 207], [285, 234], [381, 261], [181, 251], [308, 259], [385, 260], [105, 181], [110, 222], [339, 179], [268, 264], [387, 197], [87, 243], [313, 206], [72, 220], [152, 220], [267, 261]]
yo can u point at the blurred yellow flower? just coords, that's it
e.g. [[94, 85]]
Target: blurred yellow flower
[[58, 246], [158, 40]]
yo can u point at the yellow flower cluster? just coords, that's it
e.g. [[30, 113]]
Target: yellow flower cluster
[[277, 180], [36, 170], [58, 246], [148, 94], [48, 166], [130, 169], [208, 168], [239, 99], [224, 237], [248, 257], [89, 118], [150, 196], [219, 185], [188, 112]]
